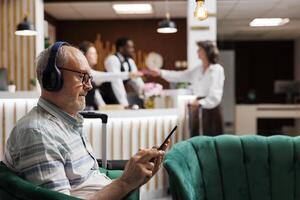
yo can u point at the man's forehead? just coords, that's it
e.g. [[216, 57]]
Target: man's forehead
[[130, 42], [76, 59]]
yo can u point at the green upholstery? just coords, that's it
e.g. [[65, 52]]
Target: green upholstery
[[231, 167], [13, 187]]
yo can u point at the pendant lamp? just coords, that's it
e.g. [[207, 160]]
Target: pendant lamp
[[167, 25], [25, 28]]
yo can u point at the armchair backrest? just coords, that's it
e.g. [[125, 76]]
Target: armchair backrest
[[235, 168]]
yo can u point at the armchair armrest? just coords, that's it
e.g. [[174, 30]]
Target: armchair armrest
[[11, 182], [114, 164]]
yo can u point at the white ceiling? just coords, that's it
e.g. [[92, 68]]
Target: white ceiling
[[104, 10], [233, 15]]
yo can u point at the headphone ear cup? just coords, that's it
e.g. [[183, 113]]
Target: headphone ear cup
[[52, 79]]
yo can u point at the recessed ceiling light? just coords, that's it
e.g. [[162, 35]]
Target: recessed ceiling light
[[269, 21], [141, 8]]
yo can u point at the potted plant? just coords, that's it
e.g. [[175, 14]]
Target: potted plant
[[33, 84], [151, 90], [11, 86]]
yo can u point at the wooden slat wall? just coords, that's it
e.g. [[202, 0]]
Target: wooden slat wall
[[17, 52]]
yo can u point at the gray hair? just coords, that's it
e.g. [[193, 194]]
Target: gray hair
[[42, 61]]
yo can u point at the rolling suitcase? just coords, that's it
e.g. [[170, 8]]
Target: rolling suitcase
[[103, 118]]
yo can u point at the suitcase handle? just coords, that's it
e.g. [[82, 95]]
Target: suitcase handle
[[103, 117], [93, 115]]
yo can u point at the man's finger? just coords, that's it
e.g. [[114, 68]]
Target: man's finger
[[149, 165], [152, 153], [157, 164], [165, 146], [141, 153], [148, 173]]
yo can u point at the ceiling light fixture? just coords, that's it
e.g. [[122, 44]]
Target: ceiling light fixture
[[200, 11], [167, 25], [133, 8], [268, 22], [25, 28]]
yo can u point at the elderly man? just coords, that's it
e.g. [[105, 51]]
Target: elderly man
[[47, 146]]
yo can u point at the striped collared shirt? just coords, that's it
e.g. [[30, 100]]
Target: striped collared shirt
[[48, 148]]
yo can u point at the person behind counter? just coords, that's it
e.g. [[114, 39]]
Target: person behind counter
[[122, 61], [48, 147], [207, 81], [94, 98]]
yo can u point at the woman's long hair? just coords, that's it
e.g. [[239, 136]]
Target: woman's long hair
[[211, 51]]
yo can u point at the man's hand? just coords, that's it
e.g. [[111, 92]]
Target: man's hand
[[139, 169], [158, 160], [195, 103], [135, 74], [155, 72]]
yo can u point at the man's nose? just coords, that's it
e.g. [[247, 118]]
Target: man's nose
[[88, 86]]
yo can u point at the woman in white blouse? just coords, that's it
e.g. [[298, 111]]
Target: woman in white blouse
[[207, 81], [94, 98]]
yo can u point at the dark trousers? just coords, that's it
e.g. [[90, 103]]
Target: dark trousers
[[212, 121]]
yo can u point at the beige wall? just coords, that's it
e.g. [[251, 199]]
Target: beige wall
[[17, 52]]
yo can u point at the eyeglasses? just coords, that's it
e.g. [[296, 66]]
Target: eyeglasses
[[85, 77]]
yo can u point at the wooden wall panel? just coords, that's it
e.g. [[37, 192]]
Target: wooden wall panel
[[17, 52], [142, 31]]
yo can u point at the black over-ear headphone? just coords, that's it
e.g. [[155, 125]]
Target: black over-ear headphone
[[52, 78]]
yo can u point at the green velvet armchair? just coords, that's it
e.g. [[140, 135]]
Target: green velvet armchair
[[13, 187], [231, 167]]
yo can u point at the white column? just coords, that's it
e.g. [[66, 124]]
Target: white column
[[200, 30], [39, 25]]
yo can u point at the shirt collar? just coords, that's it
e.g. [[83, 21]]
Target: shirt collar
[[60, 114], [208, 70], [121, 57]]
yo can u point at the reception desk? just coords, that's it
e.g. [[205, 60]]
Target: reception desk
[[247, 115], [127, 131]]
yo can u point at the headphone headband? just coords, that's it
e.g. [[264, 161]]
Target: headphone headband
[[54, 51]]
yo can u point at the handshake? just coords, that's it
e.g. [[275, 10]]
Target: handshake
[[155, 72]]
